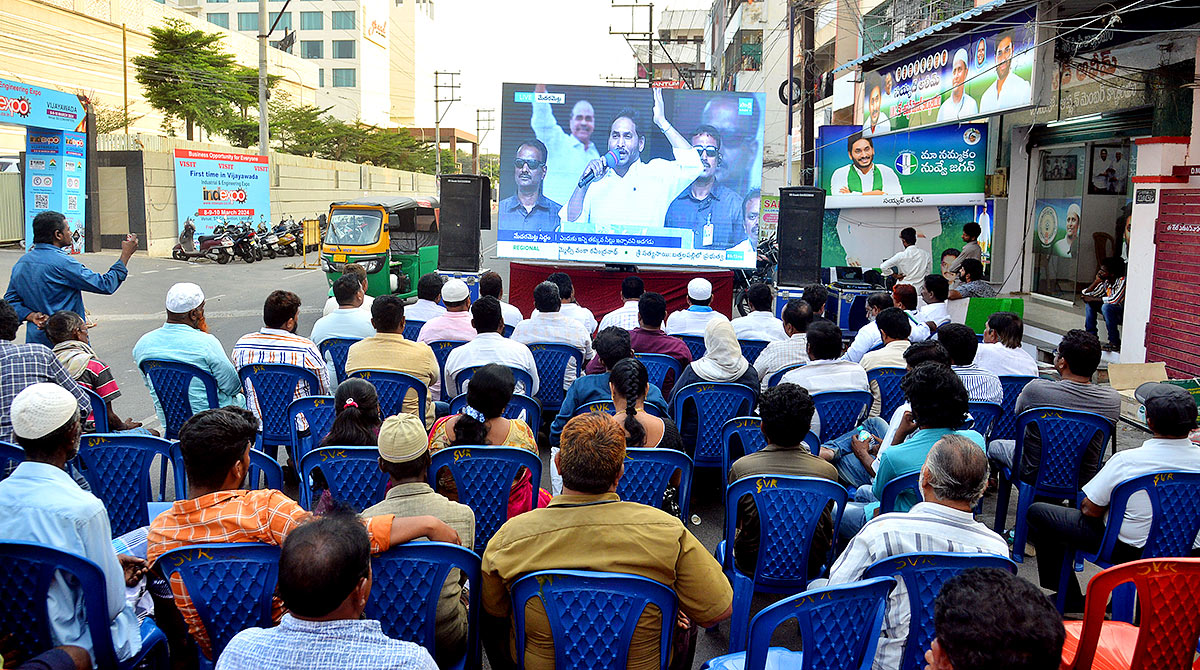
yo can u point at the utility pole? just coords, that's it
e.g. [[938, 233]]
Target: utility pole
[[638, 36], [791, 91], [807, 150], [438, 112], [263, 33], [483, 124]]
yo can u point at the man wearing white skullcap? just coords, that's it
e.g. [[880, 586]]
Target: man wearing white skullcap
[[691, 321], [42, 504], [958, 105], [455, 324], [184, 338]]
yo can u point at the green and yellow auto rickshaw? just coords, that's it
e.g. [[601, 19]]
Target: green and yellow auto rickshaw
[[393, 237]]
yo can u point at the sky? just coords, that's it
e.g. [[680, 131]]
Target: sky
[[547, 41]]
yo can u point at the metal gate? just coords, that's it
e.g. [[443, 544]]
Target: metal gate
[[1173, 332]]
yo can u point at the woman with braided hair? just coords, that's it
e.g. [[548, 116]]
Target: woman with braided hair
[[481, 422], [629, 383]]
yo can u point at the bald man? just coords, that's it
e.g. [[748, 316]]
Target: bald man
[[569, 153]]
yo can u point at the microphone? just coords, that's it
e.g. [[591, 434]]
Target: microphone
[[610, 160]]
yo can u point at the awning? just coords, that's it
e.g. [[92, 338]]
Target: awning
[[934, 29]]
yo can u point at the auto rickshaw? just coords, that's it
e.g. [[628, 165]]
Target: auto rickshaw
[[393, 237]]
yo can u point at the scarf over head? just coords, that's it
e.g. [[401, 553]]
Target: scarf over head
[[723, 360]]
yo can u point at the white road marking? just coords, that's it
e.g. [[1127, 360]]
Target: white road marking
[[149, 272]]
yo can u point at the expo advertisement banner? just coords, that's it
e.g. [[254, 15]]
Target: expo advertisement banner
[[37, 107], [978, 74], [930, 166], [214, 188]]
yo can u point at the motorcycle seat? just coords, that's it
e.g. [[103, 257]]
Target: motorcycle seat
[[205, 238]]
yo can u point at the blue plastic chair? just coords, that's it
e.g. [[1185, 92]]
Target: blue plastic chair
[[393, 387], [29, 571], [318, 412], [552, 361], [171, 383], [1005, 427], [337, 348], [713, 405], [99, 410], [922, 576], [408, 581], [117, 467], [353, 475], [524, 380], [597, 406], [660, 368], [985, 415], [441, 351], [484, 476], [593, 615], [520, 408], [776, 377], [840, 411], [274, 390], [1175, 521], [896, 486], [839, 627], [695, 344], [789, 509], [10, 456], [231, 585], [508, 330], [752, 348], [412, 329], [741, 435], [648, 473], [264, 470], [1065, 438], [890, 394]]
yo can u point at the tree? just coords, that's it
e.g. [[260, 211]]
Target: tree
[[190, 78]]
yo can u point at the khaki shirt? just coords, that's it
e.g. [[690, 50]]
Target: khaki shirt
[[390, 351], [416, 499], [601, 533], [890, 355]]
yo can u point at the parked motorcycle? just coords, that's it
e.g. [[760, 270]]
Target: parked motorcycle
[[768, 258], [217, 247], [288, 241], [243, 242], [268, 239]]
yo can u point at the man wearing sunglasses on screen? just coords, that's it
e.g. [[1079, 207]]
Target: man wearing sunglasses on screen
[[708, 209], [528, 209], [620, 190]]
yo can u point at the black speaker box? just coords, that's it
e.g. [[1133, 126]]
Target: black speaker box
[[801, 217], [465, 203]]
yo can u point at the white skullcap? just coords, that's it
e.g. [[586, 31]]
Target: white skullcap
[[699, 289], [455, 290], [184, 297], [961, 55], [42, 409], [1074, 209]]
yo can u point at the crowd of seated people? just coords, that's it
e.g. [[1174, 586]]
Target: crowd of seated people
[[579, 523]]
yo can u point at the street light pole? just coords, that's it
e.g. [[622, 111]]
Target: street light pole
[[263, 134]]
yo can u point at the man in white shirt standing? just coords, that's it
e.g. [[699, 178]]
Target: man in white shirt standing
[[1001, 352], [570, 308], [349, 321], [863, 176], [959, 105], [429, 292], [360, 273], [910, 265], [1058, 532], [633, 193], [455, 324], [695, 318], [489, 346], [1009, 90], [550, 325], [761, 323], [491, 283], [569, 153], [797, 315], [626, 316], [824, 371]]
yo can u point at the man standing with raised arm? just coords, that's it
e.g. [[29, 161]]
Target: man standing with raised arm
[[568, 153]]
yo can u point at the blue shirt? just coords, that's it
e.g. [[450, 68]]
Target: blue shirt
[[594, 388], [181, 343], [48, 279], [42, 504], [322, 645], [908, 457], [543, 217], [716, 220]]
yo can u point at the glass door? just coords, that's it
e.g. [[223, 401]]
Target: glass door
[[1061, 178]]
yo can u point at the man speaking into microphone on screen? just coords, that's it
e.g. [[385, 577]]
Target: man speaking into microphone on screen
[[620, 190]]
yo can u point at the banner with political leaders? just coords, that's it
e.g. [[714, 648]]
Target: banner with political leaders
[[1056, 226], [978, 74], [930, 166], [216, 188]]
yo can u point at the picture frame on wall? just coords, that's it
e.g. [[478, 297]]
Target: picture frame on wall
[[1109, 174], [1059, 168]]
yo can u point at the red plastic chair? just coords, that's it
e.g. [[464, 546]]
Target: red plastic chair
[[1169, 598]]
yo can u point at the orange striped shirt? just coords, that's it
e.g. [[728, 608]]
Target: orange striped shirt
[[235, 516]]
